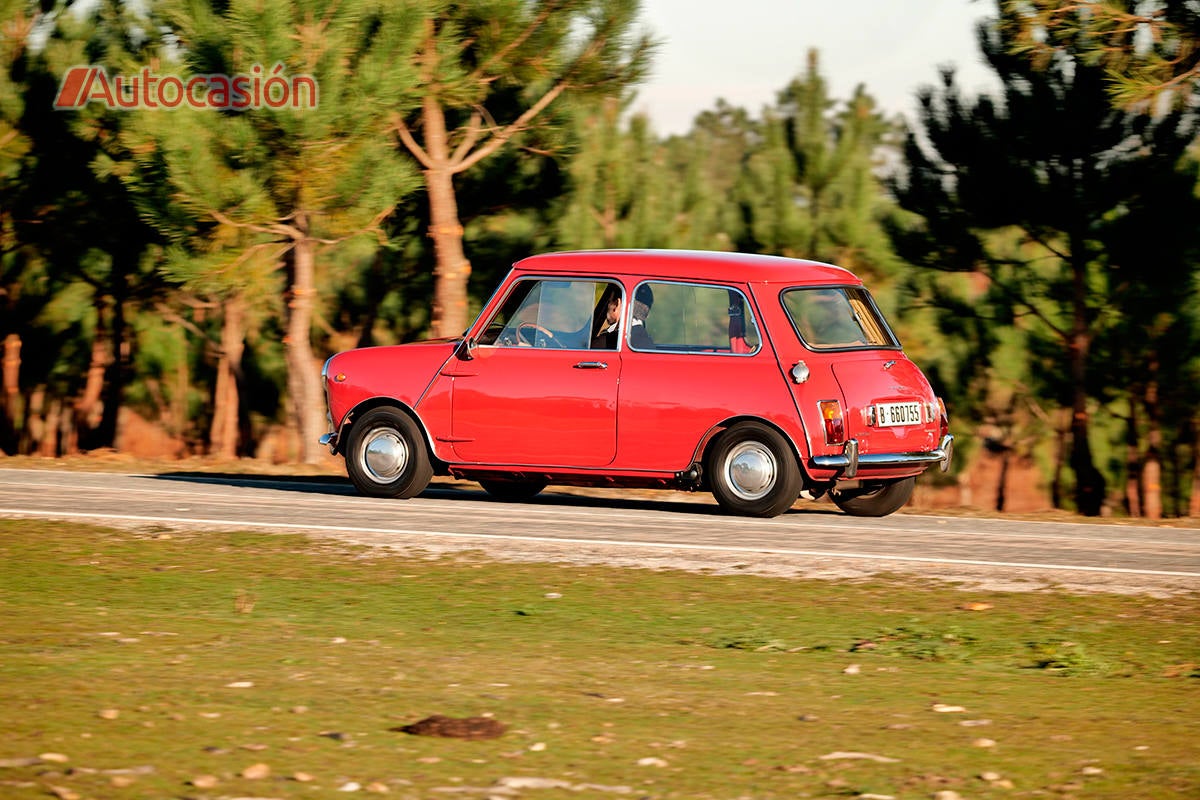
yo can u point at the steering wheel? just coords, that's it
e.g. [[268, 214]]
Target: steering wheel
[[528, 332]]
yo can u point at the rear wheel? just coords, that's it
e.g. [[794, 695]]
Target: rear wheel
[[752, 471], [386, 456], [513, 491], [876, 501]]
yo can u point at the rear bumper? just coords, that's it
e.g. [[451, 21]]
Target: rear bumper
[[849, 461]]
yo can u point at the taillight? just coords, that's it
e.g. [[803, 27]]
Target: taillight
[[943, 418], [831, 416]]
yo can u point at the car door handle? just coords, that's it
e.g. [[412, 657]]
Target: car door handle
[[592, 365]]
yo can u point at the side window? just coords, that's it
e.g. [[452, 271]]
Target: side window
[[691, 318], [837, 317], [545, 313]]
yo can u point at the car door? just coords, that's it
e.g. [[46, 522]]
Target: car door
[[536, 392], [695, 361]]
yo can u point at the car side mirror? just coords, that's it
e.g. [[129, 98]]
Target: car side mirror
[[466, 350]]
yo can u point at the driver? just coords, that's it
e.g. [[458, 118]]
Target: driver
[[607, 330]]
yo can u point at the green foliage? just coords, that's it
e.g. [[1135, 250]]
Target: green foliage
[[487, 49], [242, 194], [120, 230], [921, 643], [710, 161], [1044, 195], [802, 181], [621, 194], [757, 641], [20, 18], [1148, 49], [1068, 659], [64, 223], [835, 208], [256, 170]]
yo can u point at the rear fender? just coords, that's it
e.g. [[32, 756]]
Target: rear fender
[[700, 456]]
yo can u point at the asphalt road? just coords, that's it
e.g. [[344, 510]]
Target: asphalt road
[[629, 529]]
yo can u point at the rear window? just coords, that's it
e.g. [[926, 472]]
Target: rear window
[[837, 318]]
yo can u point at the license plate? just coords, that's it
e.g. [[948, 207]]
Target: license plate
[[888, 415]]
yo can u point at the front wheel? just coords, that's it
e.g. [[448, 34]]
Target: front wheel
[[386, 456], [875, 502], [753, 472]]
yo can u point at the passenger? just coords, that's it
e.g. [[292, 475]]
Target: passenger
[[643, 301]]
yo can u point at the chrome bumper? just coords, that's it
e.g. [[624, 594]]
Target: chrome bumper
[[330, 440], [849, 461]]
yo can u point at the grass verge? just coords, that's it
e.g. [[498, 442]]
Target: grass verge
[[221, 665]]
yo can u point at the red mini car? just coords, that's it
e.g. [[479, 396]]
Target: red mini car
[[761, 379]]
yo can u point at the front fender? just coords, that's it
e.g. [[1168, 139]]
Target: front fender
[[399, 373], [338, 438]]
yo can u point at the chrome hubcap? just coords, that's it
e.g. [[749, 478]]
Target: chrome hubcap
[[750, 470], [384, 455]]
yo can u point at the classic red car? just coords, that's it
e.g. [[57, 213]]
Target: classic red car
[[761, 379]]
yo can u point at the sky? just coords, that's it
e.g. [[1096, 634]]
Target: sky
[[747, 50]]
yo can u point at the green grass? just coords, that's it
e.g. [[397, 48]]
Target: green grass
[[120, 650]]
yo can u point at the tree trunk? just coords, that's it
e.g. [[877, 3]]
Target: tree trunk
[[1089, 483], [117, 373], [451, 268], [87, 406], [223, 436], [1152, 483], [1152, 469], [304, 385], [48, 444], [1194, 498], [1060, 450], [12, 393], [1002, 481], [1133, 462]]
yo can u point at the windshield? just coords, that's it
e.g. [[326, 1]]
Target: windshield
[[837, 317]]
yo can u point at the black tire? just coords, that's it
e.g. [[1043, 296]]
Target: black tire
[[876, 502], [513, 491], [386, 456], [752, 471]]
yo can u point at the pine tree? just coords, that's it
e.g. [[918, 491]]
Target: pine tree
[[79, 226], [17, 23], [773, 199], [711, 159], [619, 193], [1050, 164], [838, 196], [488, 70], [242, 192]]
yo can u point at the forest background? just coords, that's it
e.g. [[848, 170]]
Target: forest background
[[188, 270]]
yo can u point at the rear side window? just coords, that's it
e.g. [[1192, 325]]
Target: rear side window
[[837, 318], [683, 317]]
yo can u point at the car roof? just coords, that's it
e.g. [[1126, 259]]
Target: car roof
[[693, 265]]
